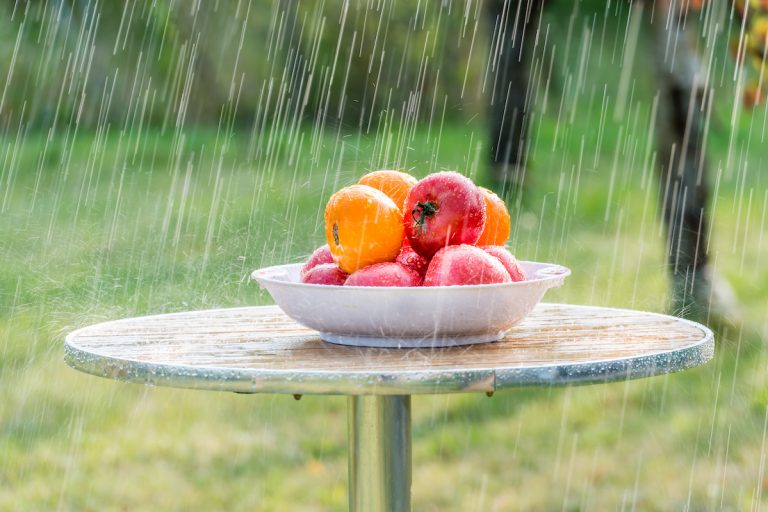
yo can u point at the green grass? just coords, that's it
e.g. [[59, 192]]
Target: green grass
[[151, 225]]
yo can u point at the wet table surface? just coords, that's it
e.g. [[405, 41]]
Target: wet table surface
[[260, 350]]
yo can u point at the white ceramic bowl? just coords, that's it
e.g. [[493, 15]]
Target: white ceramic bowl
[[401, 317]]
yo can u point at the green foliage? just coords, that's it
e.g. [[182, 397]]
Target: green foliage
[[381, 61], [135, 63], [73, 63]]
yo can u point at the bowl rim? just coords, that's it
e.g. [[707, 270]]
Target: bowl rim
[[553, 273]]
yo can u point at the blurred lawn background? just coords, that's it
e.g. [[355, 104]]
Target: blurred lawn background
[[154, 154]]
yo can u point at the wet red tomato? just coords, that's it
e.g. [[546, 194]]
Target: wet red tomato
[[463, 265], [384, 274], [443, 209]]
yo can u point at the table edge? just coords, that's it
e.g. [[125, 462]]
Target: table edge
[[405, 382]]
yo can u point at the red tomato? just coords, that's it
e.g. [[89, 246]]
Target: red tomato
[[326, 273], [384, 274], [507, 259], [443, 209], [320, 256], [462, 265], [411, 259]]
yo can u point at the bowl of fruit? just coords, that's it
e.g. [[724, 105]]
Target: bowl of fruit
[[412, 264]]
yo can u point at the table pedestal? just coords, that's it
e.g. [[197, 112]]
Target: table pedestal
[[380, 453]]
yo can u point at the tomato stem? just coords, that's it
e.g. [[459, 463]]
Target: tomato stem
[[421, 212]]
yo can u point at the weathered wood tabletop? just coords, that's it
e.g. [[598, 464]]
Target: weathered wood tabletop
[[260, 350]]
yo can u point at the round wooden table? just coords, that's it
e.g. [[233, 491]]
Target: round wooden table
[[260, 350]]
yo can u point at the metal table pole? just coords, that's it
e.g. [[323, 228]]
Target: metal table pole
[[380, 453]]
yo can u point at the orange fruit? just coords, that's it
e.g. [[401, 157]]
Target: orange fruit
[[363, 226], [496, 230], [395, 184]]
